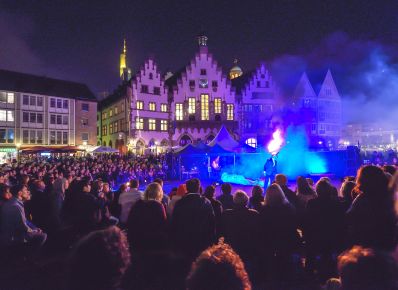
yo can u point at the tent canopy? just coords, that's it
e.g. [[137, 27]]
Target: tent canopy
[[105, 149], [225, 140]]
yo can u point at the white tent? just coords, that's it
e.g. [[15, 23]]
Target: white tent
[[104, 149]]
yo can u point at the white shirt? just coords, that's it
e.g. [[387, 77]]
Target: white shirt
[[127, 200]]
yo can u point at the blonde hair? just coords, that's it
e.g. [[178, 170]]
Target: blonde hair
[[153, 192], [274, 195]]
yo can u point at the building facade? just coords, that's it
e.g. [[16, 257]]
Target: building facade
[[191, 105], [202, 100], [320, 114], [150, 110], [40, 111], [259, 103]]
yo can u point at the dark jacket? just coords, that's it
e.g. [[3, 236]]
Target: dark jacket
[[324, 224], [241, 229], [279, 229], [371, 224], [146, 226], [226, 201], [192, 224]]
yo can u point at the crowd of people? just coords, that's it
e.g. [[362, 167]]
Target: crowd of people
[[62, 221]]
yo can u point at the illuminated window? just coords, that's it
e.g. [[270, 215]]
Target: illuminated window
[[152, 106], [252, 142], [110, 113], [217, 105], [3, 115], [230, 112], [139, 123], [152, 124], [122, 107], [110, 128], [163, 125], [116, 110], [10, 98], [163, 107], [103, 115], [178, 111], [10, 116], [204, 106], [140, 105], [116, 127], [191, 105]]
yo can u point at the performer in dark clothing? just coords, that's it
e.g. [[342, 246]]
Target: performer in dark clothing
[[269, 171]]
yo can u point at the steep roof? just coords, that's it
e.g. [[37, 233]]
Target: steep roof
[[118, 93], [240, 83], [28, 83], [224, 139]]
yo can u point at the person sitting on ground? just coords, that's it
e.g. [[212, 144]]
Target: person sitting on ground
[[218, 267], [128, 199], [256, 201], [239, 225], [147, 221], [15, 230], [226, 198], [99, 261], [367, 269], [193, 224], [281, 180]]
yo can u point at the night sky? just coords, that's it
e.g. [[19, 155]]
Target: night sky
[[81, 40]]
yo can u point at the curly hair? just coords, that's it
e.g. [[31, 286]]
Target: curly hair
[[218, 267], [99, 260]]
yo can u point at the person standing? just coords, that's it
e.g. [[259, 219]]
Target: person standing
[[128, 199], [269, 171]]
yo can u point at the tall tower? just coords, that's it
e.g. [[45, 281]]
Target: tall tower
[[123, 62]]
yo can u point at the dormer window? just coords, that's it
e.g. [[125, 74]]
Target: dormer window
[[203, 72], [156, 91], [214, 84], [150, 76]]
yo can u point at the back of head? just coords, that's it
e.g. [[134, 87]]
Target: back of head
[[366, 269], [373, 183], [324, 189], [281, 179], [181, 190], [257, 191], [158, 180], [240, 198], [209, 192], [346, 190], [99, 260], [153, 192], [274, 196], [193, 185], [226, 188], [303, 187], [134, 183], [218, 267]]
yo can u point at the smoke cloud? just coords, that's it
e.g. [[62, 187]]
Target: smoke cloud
[[365, 72]]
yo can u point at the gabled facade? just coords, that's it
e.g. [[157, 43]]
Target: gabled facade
[[202, 99], [259, 102], [150, 110], [320, 114]]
